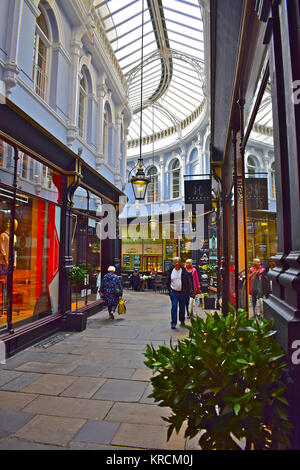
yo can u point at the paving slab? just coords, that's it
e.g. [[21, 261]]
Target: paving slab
[[50, 430], [142, 374], [97, 432], [19, 444], [118, 373], [22, 380], [11, 421], [121, 390], [87, 369], [49, 384], [89, 390], [94, 446], [15, 400], [69, 407], [138, 413], [47, 368], [147, 437], [8, 375], [83, 387]]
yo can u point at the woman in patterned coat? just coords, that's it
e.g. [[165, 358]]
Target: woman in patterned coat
[[110, 290]]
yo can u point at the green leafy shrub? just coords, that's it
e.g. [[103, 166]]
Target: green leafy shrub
[[76, 276], [224, 382]]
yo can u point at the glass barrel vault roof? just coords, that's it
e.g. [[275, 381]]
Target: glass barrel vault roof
[[173, 62]]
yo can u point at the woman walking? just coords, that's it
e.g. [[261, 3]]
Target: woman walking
[[110, 290], [193, 283]]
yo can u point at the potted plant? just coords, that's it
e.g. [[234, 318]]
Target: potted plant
[[225, 382], [76, 277]]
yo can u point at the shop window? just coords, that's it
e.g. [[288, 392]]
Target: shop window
[[252, 165], [33, 252], [82, 105], [175, 179], [35, 258], [152, 190], [41, 57], [86, 247], [6, 162]]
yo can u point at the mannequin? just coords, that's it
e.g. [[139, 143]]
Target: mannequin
[[4, 247]]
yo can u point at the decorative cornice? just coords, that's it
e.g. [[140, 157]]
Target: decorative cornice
[[170, 130]]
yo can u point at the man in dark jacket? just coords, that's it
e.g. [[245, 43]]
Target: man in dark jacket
[[178, 286]]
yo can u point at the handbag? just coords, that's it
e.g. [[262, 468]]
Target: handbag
[[191, 304], [121, 307]]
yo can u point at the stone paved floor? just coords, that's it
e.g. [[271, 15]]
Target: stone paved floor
[[89, 390]]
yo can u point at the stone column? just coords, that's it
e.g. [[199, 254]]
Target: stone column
[[162, 178], [117, 146], [76, 47], [11, 68], [124, 147]]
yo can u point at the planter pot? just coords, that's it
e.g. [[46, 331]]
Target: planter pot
[[209, 303], [76, 321]]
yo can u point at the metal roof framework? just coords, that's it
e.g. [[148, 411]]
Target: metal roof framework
[[174, 82], [173, 62]]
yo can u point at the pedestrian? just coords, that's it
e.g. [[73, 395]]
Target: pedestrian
[[110, 290], [178, 287], [256, 282], [194, 286], [135, 280]]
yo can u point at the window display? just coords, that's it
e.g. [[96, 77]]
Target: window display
[[86, 247], [33, 267]]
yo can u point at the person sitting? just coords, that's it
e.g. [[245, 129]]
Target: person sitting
[[135, 280], [152, 275]]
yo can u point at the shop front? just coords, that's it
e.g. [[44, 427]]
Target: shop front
[[49, 222], [149, 245], [30, 223]]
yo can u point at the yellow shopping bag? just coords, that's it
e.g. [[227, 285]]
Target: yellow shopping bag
[[121, 307]]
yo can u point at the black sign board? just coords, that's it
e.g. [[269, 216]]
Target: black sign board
[[257, 193], [126, 260], [137, 261], [198, 192], [168, 263]]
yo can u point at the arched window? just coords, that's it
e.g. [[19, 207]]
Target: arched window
[[82, 105], [152, 190], [251, 165], [273, 183], [41, 57], [175, 179]]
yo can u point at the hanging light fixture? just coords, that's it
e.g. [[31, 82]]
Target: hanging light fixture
[[140, 181]]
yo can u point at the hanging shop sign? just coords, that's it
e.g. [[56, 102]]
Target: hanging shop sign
[[257, 193], [198, 192]]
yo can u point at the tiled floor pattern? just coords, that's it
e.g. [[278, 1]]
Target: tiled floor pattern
[[90, 390]]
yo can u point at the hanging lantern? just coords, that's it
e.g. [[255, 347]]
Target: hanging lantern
[[139, 183]]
